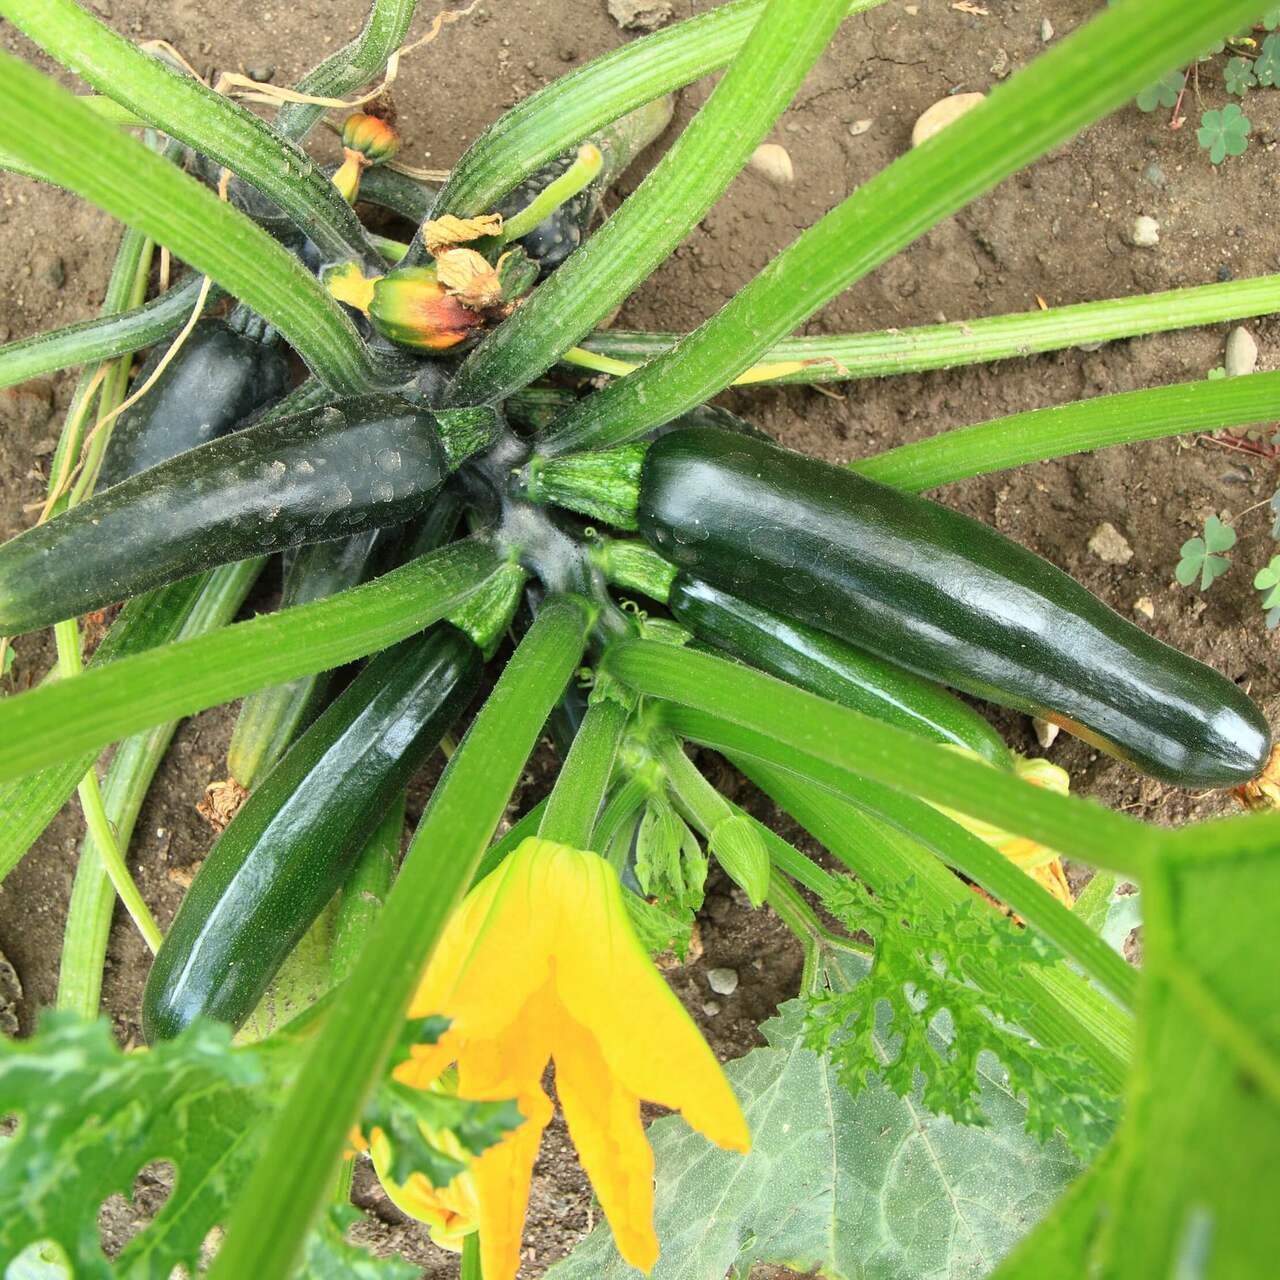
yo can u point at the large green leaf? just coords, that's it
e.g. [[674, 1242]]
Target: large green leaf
[[871, 1186], [1194, 1183]]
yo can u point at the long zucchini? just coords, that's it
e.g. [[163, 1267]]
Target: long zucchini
[[321, 474], [826, 665], [220, 378], [291, 846], [932, 590]]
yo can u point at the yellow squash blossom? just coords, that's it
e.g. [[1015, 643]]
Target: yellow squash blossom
[[1040, 863], [539, 964]]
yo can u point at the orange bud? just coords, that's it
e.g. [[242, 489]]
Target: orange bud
[[413, 308], [371, 137]]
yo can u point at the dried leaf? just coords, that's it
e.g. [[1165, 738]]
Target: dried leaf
[[444, 233], [978, 11], [469, 277], [221, 803]]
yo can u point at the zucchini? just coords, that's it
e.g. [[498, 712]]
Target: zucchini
[[292, 845], [321, 474], [221, 377], [271, 718], [943, 595], [828, 666]]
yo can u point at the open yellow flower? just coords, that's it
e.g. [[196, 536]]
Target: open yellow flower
[[541, 963]]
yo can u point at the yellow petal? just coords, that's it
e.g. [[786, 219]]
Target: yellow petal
[[493, 956], [607, 982], [604, 1123]]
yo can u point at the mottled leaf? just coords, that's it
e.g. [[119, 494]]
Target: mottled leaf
[[871, 1187]]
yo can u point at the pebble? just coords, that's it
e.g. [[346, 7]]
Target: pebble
[[1145, 233], [1110, 545], [262, 74], [942, 113], [710, 1008], [774, 162], [724, 982], [1046, 732], [640, 15], [1156, 176], [53, 271], [859, 127], [1046, 30], [1242, 353], [1146, 606]]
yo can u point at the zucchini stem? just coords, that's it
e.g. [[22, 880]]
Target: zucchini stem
[[579, 791], [581, 173]]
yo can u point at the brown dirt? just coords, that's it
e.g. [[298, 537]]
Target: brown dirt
[[1057, 231]]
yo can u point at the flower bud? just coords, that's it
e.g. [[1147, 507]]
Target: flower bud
[[738, 848], [412, 308], [374, 139]]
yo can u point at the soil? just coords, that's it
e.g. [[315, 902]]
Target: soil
[[1057, 232]]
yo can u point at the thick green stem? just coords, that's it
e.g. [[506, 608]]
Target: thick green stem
[[128, 778], [191, 112], [104, 338], [785, 42], [121, 176], [1062, 1009], [1070, 428], [291, 1180], [571, 812], [67, 635], [1093, 71], [104, 704], [352, 66], [844, 356]]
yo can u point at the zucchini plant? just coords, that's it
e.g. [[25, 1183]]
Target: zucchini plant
[[997, 1089]]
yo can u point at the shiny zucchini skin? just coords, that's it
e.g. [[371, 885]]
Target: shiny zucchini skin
[[289, 849], [219, 379], [321, 474], [826, 665], [943, 595]]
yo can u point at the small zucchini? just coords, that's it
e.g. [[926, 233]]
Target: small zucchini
[[222, 377], [943, 595], [321, 474], [291, 846], [826, 665]]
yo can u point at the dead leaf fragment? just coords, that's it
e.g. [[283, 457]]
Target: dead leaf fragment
[[221, 803], [444, 233], [469, 278], [964, 6]]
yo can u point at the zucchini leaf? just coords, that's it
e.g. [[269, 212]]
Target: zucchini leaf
[[91, 1117], [1195, 1166], [934, 999], [871, 1186]]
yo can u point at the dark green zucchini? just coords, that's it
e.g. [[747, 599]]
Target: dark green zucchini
[[290, 847], [826, 665], [271, 718], [221, 377], [325, 473], [932, 590]]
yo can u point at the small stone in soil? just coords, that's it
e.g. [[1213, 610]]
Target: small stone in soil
[[936, 118], [640, 15], [1110, 545], [724, 982], [1242, 353], [1046, 30], [774, 163], [1155, 175], [262, 74], [1046, 732], [710, 1008], [1145, 233], [859, 127], [1145, 606]]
